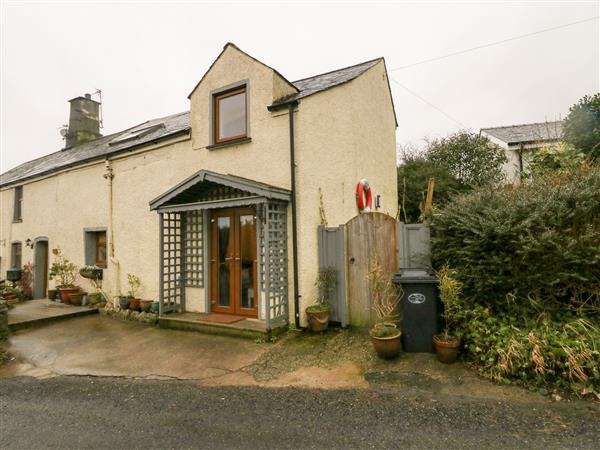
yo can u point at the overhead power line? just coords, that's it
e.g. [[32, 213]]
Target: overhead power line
[[427, 102], [479, 47]]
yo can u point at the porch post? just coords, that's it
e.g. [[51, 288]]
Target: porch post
[[161, 264], [267, 270]]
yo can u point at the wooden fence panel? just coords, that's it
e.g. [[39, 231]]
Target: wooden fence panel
[[367, 235]]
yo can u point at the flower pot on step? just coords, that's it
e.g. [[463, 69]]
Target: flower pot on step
[[124, 302], [134, 304], [446, 349], [155, 308], [52, 294], [145, 305], [76, 298], [66, 292]]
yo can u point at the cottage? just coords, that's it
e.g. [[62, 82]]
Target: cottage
[[215, 209], [520, 141]]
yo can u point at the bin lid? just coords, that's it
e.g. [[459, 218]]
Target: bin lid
[[414, 276]]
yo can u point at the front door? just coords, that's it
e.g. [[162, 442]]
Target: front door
[[233, 262]]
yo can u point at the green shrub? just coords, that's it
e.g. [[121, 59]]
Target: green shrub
[[540, 241], [528, 258], [547, 350]]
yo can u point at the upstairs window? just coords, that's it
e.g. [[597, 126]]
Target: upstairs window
[[15, 255], [18, 210], [229, 112]]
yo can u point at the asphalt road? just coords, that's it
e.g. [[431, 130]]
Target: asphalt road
[[109, 413]]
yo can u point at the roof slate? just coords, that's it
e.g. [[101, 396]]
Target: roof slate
[[529, 132], [173, 125]]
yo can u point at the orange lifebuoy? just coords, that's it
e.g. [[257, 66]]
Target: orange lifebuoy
[[364, 199]]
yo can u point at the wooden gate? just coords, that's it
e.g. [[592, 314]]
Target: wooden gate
[[367, 235]]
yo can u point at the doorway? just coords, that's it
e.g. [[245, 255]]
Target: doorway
[[233, 262], [40, 268]]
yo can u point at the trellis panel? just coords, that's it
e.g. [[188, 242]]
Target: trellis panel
[[274, 262], [194, 249], [172, 292]]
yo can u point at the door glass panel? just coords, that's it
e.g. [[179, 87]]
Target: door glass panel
[[247, 257], [223, 226]]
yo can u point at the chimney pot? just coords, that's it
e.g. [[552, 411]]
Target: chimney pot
[[88, 96]]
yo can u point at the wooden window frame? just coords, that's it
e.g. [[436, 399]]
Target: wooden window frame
[[99, 262], [18, 205], [219, 96]]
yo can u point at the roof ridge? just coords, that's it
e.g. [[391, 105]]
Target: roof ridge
[[523, 124], [340, 69]]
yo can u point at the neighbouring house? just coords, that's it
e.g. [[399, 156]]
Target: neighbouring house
[[206, 206], [520, 141]]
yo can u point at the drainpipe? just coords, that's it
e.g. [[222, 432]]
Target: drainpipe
[[291, 107], [109, 175]]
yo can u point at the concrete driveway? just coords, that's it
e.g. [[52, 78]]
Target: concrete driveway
[[100, 346]]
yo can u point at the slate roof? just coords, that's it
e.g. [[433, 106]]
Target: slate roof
[[529, 132], [150, 131], [318, 83], [162, 128]]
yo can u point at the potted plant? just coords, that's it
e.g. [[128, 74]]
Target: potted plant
[[65, 272], [155, 308], [385, 299], [317, 315], [77, 297], [447, 344], [52, 293], [134, 285], [145, 305]]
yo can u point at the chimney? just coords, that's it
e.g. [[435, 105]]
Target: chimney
[[84, 121]]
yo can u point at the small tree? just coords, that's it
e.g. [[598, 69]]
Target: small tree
[[470, 158], [563, 158], [134, 284], [385, 299], [63, 270], [450, 291], [581, 127]]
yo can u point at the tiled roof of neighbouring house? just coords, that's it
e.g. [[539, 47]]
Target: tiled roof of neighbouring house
[[529, 132], [159, 129]]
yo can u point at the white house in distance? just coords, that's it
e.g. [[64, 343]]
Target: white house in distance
[[520, 141], [215, 209]]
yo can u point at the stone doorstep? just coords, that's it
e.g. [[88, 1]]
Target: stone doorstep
[[222, 329], [15, 326]]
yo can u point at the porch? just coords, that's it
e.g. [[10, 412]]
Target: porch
[[223, 250]]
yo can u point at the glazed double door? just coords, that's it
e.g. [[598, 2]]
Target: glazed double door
[[233, 262]]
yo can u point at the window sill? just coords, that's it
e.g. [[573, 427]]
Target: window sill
[[18, 221], [229, 143]]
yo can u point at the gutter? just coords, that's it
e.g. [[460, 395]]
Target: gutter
[[291, 107]]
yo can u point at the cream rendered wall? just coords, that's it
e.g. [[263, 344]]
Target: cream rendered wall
[[343, 134], [266, 157]]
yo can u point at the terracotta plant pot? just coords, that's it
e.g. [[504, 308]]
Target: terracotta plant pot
[[134, 304], [318, 321], [52, 294], [76, 299], [446, 350], [145, 305], [387, 347], [124, 302], [66, 292]]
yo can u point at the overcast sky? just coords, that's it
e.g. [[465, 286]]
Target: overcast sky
[[147, 56]]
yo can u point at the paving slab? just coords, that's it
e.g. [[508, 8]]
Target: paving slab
[[43, 311]]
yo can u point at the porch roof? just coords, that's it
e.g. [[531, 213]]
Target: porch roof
[[204, 190]]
